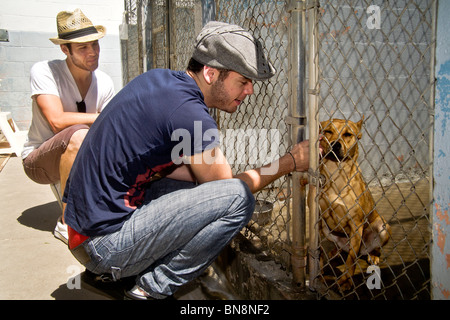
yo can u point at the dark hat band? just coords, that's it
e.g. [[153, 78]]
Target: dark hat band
[[77, 33]]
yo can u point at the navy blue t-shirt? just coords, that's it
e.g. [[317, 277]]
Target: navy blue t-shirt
[[131, 141]]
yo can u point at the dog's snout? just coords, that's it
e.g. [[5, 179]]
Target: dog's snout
[[335, 151], [337, 147]]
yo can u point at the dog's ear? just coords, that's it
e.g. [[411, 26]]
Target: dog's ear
[[322, 124], [359, 126]]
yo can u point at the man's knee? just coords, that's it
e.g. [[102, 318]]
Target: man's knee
[[76, 140], [244, 197]]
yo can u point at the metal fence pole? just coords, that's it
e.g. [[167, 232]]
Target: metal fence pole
[[140, 41], [297, 120], [313, 91], [170, 35]]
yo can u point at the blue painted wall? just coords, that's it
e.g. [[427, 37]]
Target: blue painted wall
[[440, 266]]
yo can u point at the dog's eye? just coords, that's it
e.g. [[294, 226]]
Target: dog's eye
[[328, 132], [347, 135]]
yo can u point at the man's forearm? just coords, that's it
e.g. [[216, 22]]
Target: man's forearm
[[259, 178], [295, 160]]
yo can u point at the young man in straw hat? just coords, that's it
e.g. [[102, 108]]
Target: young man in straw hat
[[67, 96], [151, 194]]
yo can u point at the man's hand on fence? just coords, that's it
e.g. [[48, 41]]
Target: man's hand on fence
[[300, 156]]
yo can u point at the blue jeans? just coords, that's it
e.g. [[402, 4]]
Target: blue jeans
[[175, 235]]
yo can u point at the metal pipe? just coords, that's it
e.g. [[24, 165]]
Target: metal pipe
[[313, 91], [170, 36], [140, 41], [297, 120]]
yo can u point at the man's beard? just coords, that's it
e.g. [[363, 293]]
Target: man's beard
[[220, 96]]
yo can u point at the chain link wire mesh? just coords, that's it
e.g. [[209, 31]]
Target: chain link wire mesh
[[131, 41], [160, 34], [375, 61], [257, 118]]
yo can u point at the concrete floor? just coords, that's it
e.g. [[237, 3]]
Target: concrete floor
[[34, 264]]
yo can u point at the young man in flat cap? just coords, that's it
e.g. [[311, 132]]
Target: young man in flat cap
[[137, 203], [67, 96]]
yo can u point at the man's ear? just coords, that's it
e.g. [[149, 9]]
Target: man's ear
[[64, 49], [209, 74]]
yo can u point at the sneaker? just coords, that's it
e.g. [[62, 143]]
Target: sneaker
[[136, 293], [60, 231]]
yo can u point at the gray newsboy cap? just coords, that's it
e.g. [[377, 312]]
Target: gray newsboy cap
[[226, 46]]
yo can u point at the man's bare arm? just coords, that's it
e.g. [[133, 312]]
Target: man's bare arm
[[259, 178], [212, 165], [53, 111]]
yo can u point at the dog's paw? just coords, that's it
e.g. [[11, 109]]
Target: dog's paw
[[373, 260], [345, 283], [346, 286]]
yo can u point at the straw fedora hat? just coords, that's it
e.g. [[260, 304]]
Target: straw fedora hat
[[75, 27]]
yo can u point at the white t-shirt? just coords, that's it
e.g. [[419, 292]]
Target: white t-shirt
[[54, 77]]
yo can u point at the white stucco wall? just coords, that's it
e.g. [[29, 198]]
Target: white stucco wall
[[30, 24]]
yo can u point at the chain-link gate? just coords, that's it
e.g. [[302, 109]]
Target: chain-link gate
[[376, 60], [346, 59]]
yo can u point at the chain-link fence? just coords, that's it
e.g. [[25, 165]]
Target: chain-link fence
[[266, 109], [376, 60], [160, 34], [351, 60]]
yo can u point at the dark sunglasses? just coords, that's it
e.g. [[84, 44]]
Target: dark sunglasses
[[81, 106]]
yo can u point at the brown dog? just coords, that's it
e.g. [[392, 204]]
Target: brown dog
[[349, 217]]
